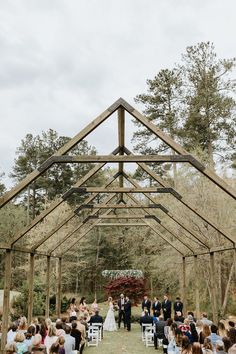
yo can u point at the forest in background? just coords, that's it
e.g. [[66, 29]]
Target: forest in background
[[192, 102]]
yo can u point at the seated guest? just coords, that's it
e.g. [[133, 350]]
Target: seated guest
[[214, 336], [227, 343], [96, 318], [185, 327], [69, 344], [221, 329], [21, 347], [76, 334], [199, 326], [194, 335], [22, 328], [220, 347], [82, 329], [37, 347], [205, 333], [178, 319], [196, 348], [159, 333], [51, 337], [205, 319], [232, 332], [207, 347], [232, 350], [146, 318], [29, 336], [59, 330], [11, 333], [186, 346], [64, 322], [192, 318], [10, 348]]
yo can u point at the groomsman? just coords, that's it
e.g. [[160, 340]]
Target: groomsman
[[121, 305], [146, 304], [166, 308], [128, 313], [156, 307], [178, 306]]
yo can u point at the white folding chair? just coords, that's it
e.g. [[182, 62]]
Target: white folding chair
[[93, 336], [149, 336], [143, 329], [99, 326]]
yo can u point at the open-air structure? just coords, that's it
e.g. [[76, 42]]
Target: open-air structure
[[137, 210]]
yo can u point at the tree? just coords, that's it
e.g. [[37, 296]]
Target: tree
[[2, 186], [210, 119], [32, 152]]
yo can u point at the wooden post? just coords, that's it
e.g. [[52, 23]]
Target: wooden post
[[213, 288], [196, 280], [47, 287], [31, 287], [58, 307], [184, 285], [235, 263], [121, 140], [6, 298]]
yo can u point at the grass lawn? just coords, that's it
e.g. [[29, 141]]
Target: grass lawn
[[122, 342]]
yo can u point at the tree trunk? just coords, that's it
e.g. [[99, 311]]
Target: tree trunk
[[231, 273]]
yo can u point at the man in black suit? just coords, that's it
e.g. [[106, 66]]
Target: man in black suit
[[96, 319], [146, 304], [166, 308], [178, 306], [159, 333], [156, 307], [121, 305], [146, 318], [128, 313]]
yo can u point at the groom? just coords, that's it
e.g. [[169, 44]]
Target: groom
[[121, 305], [128, 313]]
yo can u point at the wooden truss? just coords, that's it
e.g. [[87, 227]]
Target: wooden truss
[[188, 244]]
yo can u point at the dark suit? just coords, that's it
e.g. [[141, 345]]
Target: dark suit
[[166, 307], [178, 306], [121, 313], [96, 319], [128, 315], [159, 334], [146, 304], [156, 308], [77, 335], [146, 319]]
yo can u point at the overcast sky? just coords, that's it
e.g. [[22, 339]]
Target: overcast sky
[[64, 62]]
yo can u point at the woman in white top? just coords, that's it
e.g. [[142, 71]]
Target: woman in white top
[[50, 337], [110, 323]]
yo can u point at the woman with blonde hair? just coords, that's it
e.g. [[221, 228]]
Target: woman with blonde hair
[[110, 323], [10, 348], [21, 347], [37, 347], [206, 332], [50, 337], [22, 328]]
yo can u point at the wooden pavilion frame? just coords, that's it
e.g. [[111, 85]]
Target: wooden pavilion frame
[[146, 212]]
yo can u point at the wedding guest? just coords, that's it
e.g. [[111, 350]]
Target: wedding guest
[[35, 323], [196, 348], [22, 328], [194, 334], [146, 318], [69, 344], [51, 337], [21, 347], [11, 333], [166, 308], [10, 348], [227, 343], [59, 330], [204, 333], [185, 327], [146, 304], [159, 332], [76, 334], [156, 307], [199, 326], [220, 347], [167, 327], [205, 319], [96, 318], [232, 332], [221, 329], [207, 347], [37, 347], [186, 346], [82, 330], [178, 320], [72, 310], [29, 336], [61, 342], [43, 330], [232, 350], [214, 336], [64, 322]]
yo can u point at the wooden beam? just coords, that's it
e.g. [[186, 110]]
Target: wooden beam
[[31, 287], [48, 272], [213, 287], [120, 206], [69, 217], [121, 224], [125, 216], [57, 202], [184, 287], [176, 147], [83, 190], [121, 141], [63, 150], [6, 298], [196, 282], [183, 200], [199, 252], [59, 288]]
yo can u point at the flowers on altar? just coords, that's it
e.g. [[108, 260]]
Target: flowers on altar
[[114, 274]]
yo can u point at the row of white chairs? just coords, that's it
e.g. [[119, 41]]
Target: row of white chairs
[[94, 334], [148, 330]]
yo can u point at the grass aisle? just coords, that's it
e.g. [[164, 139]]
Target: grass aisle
[[121, 342]]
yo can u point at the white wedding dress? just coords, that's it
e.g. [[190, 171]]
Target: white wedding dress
[[110, 323]]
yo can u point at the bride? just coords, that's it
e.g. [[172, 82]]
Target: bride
[[110, 323]]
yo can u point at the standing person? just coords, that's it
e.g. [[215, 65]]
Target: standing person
[[110, 322], [159, 333], [82, 305], [73, 310], [156, 307], [166, 308], [94, 306], [128, 313], [178, 305], [121, 305], [146, 304]]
